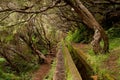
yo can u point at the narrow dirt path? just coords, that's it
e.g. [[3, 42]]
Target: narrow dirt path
[[45, 67], [43, 70]]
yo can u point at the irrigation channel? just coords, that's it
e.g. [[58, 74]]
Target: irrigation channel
[[71, 64]]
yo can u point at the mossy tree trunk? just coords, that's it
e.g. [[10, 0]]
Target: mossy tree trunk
[[89, 20]]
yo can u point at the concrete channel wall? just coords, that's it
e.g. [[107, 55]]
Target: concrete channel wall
[[65, 67]]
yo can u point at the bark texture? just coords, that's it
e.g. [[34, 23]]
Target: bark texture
[[90, 21]]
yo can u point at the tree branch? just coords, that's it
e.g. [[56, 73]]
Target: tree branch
[[106, 2], [43, 9], [5, 16], [21, 21]]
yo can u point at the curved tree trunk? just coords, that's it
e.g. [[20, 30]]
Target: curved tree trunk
[[90, 21]]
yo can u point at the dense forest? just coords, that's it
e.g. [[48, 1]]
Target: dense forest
[[59, 39]]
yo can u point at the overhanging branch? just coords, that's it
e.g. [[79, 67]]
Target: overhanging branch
[[106, 2], [43, 9]]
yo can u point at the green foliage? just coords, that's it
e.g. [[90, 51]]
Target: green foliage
[[114, 43], [34, 39], [5, 38], [8, 76], [68, 75], [113, 32], [72, 52], [9, 38], [23, 59], [69, 36], [25, 66], [74, 37], [44, 51], [2, 60], [95, 61], [26, 76], [79, 35]]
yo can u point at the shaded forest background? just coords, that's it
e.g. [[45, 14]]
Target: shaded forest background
[[30, 29]]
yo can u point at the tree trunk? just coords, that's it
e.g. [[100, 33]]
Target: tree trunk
[[13, 66], [32, 47], [90, 21], [39, 54]]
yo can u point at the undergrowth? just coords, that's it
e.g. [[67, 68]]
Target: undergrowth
[[98, 60], [79, 35], [95, 61], [7, 74]]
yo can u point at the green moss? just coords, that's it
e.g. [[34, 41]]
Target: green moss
[[114, 43]]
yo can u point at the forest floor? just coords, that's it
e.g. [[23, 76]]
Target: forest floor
[[112, 64], [44, 68], [42, 71]]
